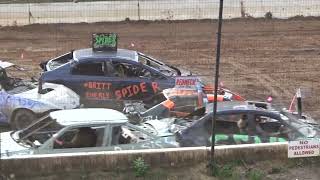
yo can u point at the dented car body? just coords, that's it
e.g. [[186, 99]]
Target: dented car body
[[9, 80], [113, 132], [21, 109], [103, 77], [245, 123]]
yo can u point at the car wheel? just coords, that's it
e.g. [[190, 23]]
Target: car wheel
[[22, 118]]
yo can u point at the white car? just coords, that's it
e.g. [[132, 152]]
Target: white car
[[51, 133], [20, 110]]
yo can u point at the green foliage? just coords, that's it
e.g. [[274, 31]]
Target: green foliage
[[140, 167], [226, 171], [255, 175]]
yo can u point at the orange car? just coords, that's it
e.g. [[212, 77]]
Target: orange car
[[183, 102]]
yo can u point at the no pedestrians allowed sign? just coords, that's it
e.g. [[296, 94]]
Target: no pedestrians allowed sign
[[304, 148]]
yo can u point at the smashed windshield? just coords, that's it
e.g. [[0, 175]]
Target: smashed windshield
[[159, 66], [38, 132], [58, 61], [13, 79], [15, 71], [301, 129]]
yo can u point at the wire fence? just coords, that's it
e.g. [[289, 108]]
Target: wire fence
[[96, 11], [269, 47]]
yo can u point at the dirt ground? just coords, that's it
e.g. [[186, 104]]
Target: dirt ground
[[293, 169], [259, 57]]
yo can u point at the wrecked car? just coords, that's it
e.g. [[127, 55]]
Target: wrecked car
[[63, 131], [20, 110], [188, 103], [9, 80], [105, 76], [245, 123]]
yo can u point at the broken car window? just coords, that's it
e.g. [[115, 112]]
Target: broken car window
[[38, 132], [127, 135], [129, 70], [154, 64], [80, 138]]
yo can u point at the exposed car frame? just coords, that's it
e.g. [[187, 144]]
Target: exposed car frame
[[15, 84]]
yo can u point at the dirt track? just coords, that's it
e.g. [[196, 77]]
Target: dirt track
[[259, 57]]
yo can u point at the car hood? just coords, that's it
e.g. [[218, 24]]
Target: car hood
[[55, 95], [9, 147], [5, 64], [159, 127]]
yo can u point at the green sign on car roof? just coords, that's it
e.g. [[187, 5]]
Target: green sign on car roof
[[104, 42]]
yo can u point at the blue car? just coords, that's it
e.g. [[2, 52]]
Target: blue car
[[3, 118], [107, 78]]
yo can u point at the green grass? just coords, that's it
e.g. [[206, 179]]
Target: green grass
[[255, 174], [140, 167], [226, 171]]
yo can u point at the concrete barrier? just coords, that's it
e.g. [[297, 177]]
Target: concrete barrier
[[122, 160], [22, 14]]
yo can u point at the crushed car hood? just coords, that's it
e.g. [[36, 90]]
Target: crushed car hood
[[9, 147], [5, 64], [58, 96], [159, 127]]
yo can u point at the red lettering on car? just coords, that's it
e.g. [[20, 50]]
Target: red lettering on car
[[143, 87], [129, 90], [118, 94], [155, 87], [135, 89]]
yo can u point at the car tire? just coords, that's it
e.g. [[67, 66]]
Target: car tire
[[22, 118]]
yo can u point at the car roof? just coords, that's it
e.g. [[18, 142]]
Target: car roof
[[5, 64], [88, 116], [120, 53], [230, 107], [240, 105]]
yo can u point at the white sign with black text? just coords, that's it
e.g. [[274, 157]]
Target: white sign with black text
[[304, 148]]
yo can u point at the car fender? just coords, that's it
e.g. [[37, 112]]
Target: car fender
[[15, 103], [9, 147], [59, 97]]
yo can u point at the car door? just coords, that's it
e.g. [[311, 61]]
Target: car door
[[67, 135], [127, 137], [271, 129], [88, 80], [257, 128], [133, 81]]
